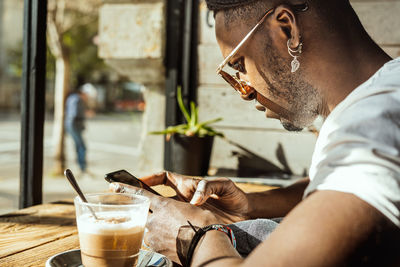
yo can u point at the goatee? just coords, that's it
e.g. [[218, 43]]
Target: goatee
[[290, 127]]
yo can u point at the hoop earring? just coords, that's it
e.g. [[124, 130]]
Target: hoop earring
[[295, 62]]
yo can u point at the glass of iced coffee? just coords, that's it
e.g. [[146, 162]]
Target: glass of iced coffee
[[111, 228]]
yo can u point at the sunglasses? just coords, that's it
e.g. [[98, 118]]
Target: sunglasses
[[246, 91]]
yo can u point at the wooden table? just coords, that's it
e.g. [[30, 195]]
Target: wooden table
[[28, 237]]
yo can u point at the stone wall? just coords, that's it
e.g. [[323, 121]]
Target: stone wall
[[268, 144], [381, 19]]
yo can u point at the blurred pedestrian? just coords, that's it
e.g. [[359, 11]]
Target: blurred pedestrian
[[75, 123]]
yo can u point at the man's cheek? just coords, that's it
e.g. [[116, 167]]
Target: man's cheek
[[260, 85], [254, 76]]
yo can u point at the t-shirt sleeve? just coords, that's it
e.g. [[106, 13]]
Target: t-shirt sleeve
[[375, 184], [359, 154]]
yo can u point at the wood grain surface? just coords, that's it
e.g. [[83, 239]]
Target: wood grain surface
[[30, 236]]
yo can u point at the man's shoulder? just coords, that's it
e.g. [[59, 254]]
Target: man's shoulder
[[386, 80], [370, 117], [371, 108], [385, 83], [363, 123]]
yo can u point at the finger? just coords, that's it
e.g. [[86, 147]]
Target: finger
[[124, 188], [206, 189], [214, 196], [176, 180], [155, 179], [200, 196]]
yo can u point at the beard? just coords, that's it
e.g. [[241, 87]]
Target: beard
[[303, 99], [290, 127]]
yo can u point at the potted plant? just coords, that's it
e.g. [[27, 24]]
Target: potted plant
[[191, 141]]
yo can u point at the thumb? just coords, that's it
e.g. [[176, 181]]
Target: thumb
[[204, 190], [124, 188]]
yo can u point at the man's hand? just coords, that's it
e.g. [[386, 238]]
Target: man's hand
[[167, 217], [219, 195]]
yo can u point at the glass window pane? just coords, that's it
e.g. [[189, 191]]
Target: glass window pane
[[100, 131], [11, 13]]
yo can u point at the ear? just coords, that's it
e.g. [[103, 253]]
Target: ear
[[286, 25]]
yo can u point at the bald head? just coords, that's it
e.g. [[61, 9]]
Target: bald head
[[250, 11], [217, 5]]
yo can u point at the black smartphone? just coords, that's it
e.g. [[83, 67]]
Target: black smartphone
[[122, 176]]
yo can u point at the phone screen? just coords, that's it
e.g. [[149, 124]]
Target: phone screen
[[123, 176]]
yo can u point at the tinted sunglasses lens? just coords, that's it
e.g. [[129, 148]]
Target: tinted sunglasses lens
[[232, 81], [250, 92]]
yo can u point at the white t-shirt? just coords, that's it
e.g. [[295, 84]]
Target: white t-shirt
[[358, 148]]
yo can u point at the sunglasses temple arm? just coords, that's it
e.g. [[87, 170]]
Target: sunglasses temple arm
[[241, 43], [235, 50]]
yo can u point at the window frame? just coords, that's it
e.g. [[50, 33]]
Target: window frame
[[33, 102]]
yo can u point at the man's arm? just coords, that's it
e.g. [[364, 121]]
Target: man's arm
[[328, 228], [228, 202], [277, 202]]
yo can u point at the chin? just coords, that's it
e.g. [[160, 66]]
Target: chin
[[291, 128]]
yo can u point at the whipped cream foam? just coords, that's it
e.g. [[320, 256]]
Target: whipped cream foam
[[110, 222]]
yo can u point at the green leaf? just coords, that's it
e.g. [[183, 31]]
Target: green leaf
[[204, 132], [210, 122], [181, 128], [212, 132], [193, 113], [181, 105], [192, 127], [195, 129]]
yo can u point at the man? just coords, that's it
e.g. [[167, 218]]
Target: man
[[75, 108], [300, 59]]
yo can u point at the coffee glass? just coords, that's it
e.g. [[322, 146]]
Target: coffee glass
[[115, 236]]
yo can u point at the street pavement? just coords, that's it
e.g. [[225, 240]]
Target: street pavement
[[112, 144]]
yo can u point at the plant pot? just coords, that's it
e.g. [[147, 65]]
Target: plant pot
[[191, 154]]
